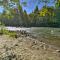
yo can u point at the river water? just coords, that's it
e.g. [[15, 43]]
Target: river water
[[16, 28], [37, 30]]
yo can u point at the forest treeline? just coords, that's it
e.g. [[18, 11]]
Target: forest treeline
[[45, 17]]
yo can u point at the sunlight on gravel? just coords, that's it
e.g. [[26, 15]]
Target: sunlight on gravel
[[26, 48]]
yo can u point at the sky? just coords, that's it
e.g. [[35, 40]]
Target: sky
[[1, 9], [31, 4]]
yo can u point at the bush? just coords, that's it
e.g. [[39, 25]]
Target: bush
[[12, 34], [4, 31]]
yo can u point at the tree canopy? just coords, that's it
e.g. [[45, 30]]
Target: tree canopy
[[14, 15]]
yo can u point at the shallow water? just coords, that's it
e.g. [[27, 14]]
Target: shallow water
[[37, 30]]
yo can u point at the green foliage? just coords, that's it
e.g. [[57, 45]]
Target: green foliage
[[47, 16], [57, 4], [36, 9], [4, 31], [15, 0], [12, 34], [19, 7]]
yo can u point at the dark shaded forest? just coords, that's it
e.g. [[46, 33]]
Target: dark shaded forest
[[48, 16]]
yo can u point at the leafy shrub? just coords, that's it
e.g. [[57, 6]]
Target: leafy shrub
[[4, 31], [12, 34]]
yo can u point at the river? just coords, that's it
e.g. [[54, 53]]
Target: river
[[37, 30]]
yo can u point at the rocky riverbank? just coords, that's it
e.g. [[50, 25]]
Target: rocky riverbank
[[26, 48]]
